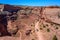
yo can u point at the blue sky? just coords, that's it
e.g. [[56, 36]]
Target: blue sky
[[32, 2]]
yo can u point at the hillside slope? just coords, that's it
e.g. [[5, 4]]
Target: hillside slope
[[30, 23]]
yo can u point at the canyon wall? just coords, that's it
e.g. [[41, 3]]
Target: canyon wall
[[31, 23]]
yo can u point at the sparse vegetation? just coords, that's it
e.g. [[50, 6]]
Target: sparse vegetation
[[32, 39], [40, 28], [54, 38], [44, 26], [56, 27], [31, 25], [48, 30]]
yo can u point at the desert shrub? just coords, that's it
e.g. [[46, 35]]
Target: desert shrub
[[32, 39], [40, 28], [54, 38], [56, 27], [44, 26], [48, 30]]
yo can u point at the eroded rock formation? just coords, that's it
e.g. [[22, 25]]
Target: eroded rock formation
[[31, 23]]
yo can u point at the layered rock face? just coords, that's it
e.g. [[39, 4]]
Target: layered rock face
[[30, 23]]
